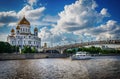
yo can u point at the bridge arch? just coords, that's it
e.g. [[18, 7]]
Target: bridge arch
[[64, 47]]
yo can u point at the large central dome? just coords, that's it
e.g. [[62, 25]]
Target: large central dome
[[24, 21]]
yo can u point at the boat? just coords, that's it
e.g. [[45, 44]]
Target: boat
[[81, 56]]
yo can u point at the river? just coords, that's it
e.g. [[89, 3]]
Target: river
[[103, 67]]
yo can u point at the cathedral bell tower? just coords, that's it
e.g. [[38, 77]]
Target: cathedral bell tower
[[35, 31], [12, 32], [18, 29]]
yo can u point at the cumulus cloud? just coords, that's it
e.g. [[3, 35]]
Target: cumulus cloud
[[47, 35], [32, 2], [104, 12], [82, 18], [8, 17], [109, 29], [79, 20], [80, 15], [34, 15], [31, 13], [49, 18]]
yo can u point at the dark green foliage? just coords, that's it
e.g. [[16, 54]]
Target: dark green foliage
[[28, 49], [70, 51], [15, 48], [5, 47], [93, 50]]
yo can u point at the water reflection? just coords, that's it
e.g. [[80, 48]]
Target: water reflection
[[97, 68]]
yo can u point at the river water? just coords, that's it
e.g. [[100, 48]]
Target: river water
[[104, 67]]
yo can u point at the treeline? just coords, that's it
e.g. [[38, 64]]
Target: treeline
[[93, 50], [5, 47], [28, 49]]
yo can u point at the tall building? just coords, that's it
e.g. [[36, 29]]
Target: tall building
[[22, 35]]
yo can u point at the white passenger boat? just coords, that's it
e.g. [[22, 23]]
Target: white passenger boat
[[81, 56]]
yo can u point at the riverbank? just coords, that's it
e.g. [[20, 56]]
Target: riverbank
[[13, 56]]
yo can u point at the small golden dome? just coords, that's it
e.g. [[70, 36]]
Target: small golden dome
[[12, 30], [24, 21], [35, 29], [18, 27]]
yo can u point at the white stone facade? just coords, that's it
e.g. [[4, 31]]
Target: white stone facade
[[22, 36]]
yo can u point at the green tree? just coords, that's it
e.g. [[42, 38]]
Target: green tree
[[28, 49], [15, 48], [5, 47]]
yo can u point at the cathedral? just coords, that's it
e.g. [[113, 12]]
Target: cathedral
[[22, 36]]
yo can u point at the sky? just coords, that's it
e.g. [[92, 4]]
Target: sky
[[63, 21]]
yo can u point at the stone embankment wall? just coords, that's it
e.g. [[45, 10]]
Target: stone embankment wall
[[6, 56]]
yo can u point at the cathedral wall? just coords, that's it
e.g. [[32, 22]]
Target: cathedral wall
[[25, 40], [23, 36]]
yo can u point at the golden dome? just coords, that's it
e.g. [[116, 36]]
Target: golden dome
[[12, 30], [35, 29], [24, 21], [18, 27]]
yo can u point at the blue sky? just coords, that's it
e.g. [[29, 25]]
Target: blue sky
[[63, 20]]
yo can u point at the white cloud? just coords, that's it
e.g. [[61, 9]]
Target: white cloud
[[49, 18], [32, 2], [11, 18], [3, 37], [80, 15], [109, 29], [8, 17], [31, 13], [12, 24], [104, 12], [82, 19]]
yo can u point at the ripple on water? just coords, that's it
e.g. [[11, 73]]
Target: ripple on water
[[97, 68]]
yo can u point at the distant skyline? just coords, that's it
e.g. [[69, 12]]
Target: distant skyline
[[63, 21]]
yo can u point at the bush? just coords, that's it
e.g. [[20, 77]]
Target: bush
[[15, 48], [28, 49], [93, 50], [5, 47]]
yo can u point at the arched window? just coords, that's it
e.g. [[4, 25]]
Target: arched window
[[17, 31], [34, 42], [12, 42], [21, 29], [29, 36], [29, 42], [18, 42]]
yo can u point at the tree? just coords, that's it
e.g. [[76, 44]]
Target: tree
[[28, 49], [15, 48], [5, 47]]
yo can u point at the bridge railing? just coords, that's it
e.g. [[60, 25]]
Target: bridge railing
[[87, 43]]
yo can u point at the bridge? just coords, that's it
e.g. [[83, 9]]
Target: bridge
[[64, 47]]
